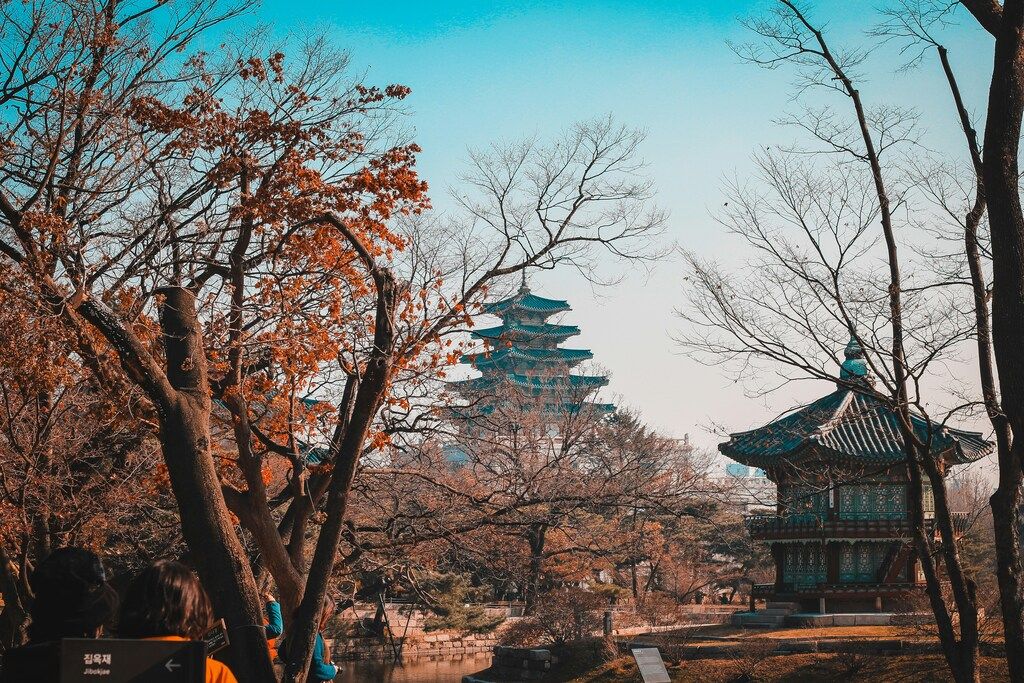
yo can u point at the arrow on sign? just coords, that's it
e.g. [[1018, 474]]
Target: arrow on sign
[[171, 665]]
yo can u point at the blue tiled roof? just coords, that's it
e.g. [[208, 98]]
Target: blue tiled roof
[[525, 353], [530, 381], [524, 300], [521, 330], [849, 425]]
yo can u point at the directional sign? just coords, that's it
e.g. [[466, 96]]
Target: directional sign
[[132, 661], [652, 668], [106, 661]]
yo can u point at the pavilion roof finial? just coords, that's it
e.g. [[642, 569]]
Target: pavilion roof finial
[[523, 287], [855, 367]]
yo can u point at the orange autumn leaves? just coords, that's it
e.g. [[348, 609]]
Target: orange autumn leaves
[[279, 153], [290, 161]]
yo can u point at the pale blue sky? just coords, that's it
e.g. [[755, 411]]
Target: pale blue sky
[[485, 71]]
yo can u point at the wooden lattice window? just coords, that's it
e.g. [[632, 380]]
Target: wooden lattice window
[[860, 561], [804, 563]]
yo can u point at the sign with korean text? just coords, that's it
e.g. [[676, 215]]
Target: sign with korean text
[[652, 668]]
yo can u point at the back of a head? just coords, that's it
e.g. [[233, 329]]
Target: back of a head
[[166, 599], [72, 597]]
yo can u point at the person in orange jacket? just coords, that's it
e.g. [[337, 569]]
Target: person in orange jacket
[[167, 602]]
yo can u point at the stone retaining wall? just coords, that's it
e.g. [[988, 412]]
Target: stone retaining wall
[[411, 638]]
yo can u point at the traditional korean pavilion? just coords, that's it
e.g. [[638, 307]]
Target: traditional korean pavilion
[[524, 353], [840, 537]]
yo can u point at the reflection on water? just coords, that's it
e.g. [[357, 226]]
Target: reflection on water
[[438, 669]]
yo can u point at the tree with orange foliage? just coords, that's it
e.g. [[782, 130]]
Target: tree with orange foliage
[[218, 233], [137, 185], [71, 459]]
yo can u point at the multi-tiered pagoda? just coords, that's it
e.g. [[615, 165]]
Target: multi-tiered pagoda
[[523, 355], [841, 535]]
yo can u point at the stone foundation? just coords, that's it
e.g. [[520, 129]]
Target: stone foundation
[[862, 619]]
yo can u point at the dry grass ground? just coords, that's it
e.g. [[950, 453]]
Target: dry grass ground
[[799, 669], [758, 664]]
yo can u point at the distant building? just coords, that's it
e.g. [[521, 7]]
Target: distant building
[[748, 488], [526, 378], [524, 353]]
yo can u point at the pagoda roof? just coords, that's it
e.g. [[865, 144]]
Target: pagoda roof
[[569, 407], [854, 426], [532, 381], [513, 353], [525, 300], [519, 329]]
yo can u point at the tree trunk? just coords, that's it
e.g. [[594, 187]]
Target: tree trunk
[[1006, 222], [1005, 503], [14, 616], [369, 396], [205, 522], [535, 536], [961, 653]]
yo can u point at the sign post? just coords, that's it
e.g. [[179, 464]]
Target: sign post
[[652, 668]]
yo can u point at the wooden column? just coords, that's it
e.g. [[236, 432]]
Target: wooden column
[[832, 568], [779, 555]]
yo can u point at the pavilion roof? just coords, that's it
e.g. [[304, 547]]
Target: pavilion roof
[[848, 425], [572, 408]]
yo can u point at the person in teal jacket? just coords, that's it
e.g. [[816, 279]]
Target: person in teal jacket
[[321, 668], [272, 611]]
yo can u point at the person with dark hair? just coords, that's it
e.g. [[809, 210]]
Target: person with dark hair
[[72, 597], [72, 600], [320, 668], [167, 602]]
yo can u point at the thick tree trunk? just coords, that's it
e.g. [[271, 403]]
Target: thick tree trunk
[[255, 516], [205, 522], [1006, 221], [1005, 503]]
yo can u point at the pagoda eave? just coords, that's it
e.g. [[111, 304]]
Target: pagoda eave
[[528, 302], [517, 332]]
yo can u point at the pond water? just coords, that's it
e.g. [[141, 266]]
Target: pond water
[[449, 669]]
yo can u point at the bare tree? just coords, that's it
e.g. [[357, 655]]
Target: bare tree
[[815, 229], [225, 226], [916, 25]]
